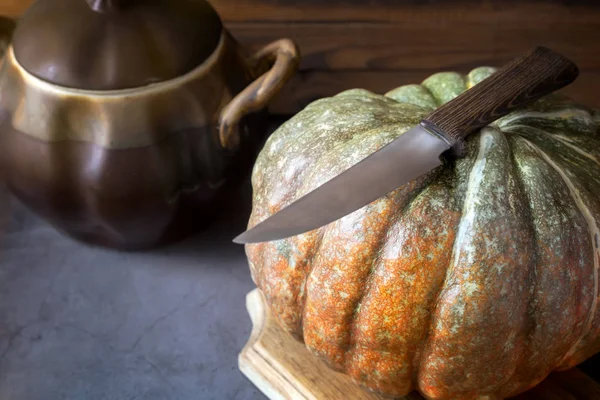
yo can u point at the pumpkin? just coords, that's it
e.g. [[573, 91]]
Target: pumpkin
[[474, 281]]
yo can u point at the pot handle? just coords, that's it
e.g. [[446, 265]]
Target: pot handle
[[284, 57]]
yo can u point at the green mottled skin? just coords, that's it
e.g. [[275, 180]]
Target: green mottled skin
[[474, 281]]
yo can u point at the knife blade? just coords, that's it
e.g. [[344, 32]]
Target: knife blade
[[522, 81]]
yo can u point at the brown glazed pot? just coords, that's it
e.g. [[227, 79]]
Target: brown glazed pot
[[124, 123]]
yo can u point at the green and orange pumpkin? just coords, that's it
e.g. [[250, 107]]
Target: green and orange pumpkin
[[474, 281]]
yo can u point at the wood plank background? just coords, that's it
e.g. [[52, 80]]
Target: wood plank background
[[381, 44]]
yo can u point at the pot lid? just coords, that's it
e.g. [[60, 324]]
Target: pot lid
[[115, 44]]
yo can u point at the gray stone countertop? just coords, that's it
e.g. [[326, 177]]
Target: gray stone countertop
[[87, 323]]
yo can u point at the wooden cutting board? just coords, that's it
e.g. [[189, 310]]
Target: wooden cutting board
[[282, 368]]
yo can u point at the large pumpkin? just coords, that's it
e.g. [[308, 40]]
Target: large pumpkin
[[472, 282]]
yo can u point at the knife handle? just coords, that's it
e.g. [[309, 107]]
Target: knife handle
[[522, 81]]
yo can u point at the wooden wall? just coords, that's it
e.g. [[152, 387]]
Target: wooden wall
[[381, 44]]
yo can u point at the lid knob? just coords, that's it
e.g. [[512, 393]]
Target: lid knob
[[104, 5]]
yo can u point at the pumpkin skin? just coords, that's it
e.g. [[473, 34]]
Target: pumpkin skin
[[474, 281]]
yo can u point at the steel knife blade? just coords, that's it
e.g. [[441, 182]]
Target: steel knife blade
[[522, 81]]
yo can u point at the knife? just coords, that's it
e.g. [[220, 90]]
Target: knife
[[522, 81]]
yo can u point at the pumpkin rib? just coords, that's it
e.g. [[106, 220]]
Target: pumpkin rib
[[301, 255], [471, 143], [372, 299], [331, 303], [556, 138], [456, 239], [557, 114], [426, 347], [365, 289], [403, 196], [445, 86], [414, 94], [531, 308], [315, 249], [442, 180], [594, 232], [530, 263]]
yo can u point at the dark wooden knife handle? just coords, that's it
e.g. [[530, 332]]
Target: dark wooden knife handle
[[522, 81]]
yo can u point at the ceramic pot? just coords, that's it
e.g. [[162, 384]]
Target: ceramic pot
[[124, 123]]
